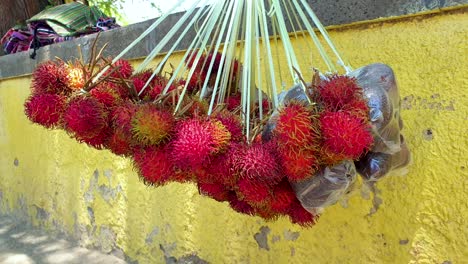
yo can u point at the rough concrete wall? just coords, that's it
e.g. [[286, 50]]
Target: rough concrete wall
[[61, 185]]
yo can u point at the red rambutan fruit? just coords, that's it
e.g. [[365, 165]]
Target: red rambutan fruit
[[125, 69], [99, 141], [155, 91], [358, 108], [214, 190], [282, 198], [196, 107], [106, 95], [296, 128], [85, 116], [119, 143], [121, 89], [193, 143], [240, 206], [301, 216], [45, 109], [219, 168], [233, 101], [299, 165], [345, 134], [139, 84], [253, 191], [220, 134], [122, 118], [266, 213], [257, 162], [50, 77], [232, 124], [338, 90], [151, 126], [154, 165]]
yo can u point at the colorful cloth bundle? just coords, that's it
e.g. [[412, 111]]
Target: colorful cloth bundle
[[57, 24]]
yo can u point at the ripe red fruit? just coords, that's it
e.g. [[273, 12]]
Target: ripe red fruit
[[85, 117], [240, 206], [151, 126], [296, 128], [258, 162], [122, 118], [45, 109], [106, 95], [299, 165], [154, 165], [214, 190], [99, 141], [233, 101], [233, 125], [50, 77], [282, 197], [252, 191], [301, 216], [119, 143], [345, 134], [125, 69], [338, 90]]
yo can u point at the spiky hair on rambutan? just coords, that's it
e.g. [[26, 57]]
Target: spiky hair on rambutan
[[45, 109], [119, 143], [85, 117], [106, 94], [50, 77], [154, 165], [301, 216], [282, 197], [257, 162], [239, 205], [151, 126], [233, 101], [99, 141], [233, 125], [76, 77], [300, 165], [358, 108], [196, 140], [297, 127], [345, 134], [219, 167], [253, 191], [338, 90], [216, 191], [125, 69], [220, 134], [121, 117], [265, 212]]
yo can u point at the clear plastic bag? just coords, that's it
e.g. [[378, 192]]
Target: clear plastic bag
[[375, 165], [379, 86], [325, 188], [388, 153]]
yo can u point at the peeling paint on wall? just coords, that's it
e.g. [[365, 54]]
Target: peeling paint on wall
[[98, 199]]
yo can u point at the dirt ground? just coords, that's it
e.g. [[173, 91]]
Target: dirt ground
[[23, 244]]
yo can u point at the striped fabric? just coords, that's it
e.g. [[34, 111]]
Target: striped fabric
[[69, 19], [57, 24]]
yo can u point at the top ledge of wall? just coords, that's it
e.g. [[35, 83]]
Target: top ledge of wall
[[330, 12]]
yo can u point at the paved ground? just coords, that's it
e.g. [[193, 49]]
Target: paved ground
[[22, 244]]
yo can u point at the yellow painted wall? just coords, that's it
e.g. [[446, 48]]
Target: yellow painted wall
[[96, 197]]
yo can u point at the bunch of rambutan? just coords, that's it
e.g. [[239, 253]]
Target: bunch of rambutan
[[211, 151], [345, 128]]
